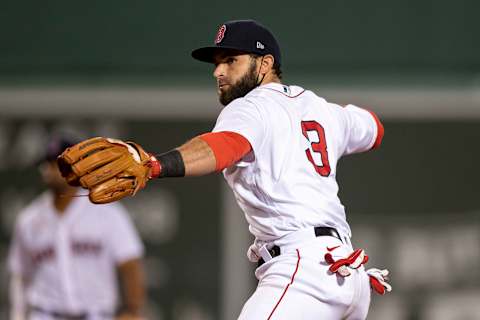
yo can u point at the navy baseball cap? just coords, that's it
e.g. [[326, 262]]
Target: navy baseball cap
[[56, 145], [247, 36]]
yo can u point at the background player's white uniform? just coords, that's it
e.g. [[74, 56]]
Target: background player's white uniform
[[69, 261], [286, 187]]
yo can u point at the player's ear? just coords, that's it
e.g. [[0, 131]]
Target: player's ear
[[266, 63]]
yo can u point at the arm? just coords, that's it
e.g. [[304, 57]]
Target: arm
[[198, 157], [112, 169], [19, 267], [18, 310], [363, 129], [204, 154], [132, 282]]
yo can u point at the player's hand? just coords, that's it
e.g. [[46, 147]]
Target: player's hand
[[110, 169]]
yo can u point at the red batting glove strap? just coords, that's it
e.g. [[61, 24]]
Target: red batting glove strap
[[155, 166], [378, 278], [354, 260], [376, 285]]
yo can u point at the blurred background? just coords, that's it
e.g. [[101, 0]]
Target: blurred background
[[123, 69]]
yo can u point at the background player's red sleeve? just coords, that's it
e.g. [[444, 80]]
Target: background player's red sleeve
[[228, 147]]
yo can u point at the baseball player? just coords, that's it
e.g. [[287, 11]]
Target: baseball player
[[66, 252], [278, 146]]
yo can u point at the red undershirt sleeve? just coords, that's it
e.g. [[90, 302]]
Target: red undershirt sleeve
[[228, 147], [380, 130]]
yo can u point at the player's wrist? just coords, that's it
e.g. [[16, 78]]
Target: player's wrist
[[155, 167], [169, 164]]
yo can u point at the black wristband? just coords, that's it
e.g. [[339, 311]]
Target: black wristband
[[171, 164]]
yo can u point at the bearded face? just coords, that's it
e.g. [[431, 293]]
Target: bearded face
[[241, 87]]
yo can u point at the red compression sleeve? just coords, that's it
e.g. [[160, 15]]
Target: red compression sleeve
[[228, 147], [380, 130]]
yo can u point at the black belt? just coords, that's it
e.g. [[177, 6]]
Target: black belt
[[60, 315], [66, 316], [319, 231]]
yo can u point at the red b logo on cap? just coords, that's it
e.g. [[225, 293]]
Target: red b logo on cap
[[220, 34]]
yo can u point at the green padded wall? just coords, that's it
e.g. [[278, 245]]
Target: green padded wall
[[146, 39]]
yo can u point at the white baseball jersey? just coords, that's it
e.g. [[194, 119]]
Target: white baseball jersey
[[70, 260], [289, 181]]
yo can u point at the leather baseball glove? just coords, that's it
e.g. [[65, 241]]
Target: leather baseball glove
[[110, 169]]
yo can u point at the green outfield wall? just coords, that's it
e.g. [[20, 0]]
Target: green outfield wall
[[152, 39]]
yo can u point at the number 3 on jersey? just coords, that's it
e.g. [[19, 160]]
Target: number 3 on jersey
[[319, 147]]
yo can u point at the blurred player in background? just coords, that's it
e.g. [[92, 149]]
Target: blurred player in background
[[67, 254]]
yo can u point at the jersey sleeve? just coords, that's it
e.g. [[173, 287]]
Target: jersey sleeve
[[363, 130], [124, 241], [242, 116]]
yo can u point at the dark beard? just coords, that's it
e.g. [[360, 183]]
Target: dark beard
[[243, 86]]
